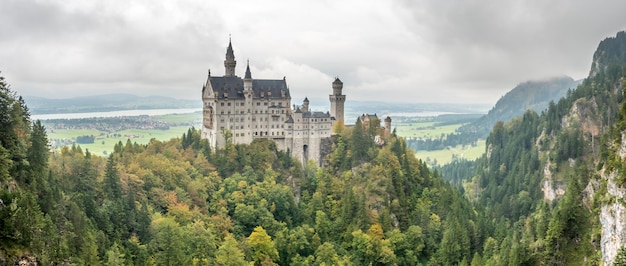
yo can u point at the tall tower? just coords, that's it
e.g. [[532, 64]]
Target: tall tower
[[230, 62], [337, 100]]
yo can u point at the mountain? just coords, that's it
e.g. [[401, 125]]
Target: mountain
[[553, 183], [530, 95], [107, 102]]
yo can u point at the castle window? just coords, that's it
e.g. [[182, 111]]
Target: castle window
[[265, 103], [228, 104], [258, 104], [222, 112], [222, 104], [240, 112]]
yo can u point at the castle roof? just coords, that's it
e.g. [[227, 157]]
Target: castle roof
[[233, 88], [229, 51], [248, 73], [315, 115]]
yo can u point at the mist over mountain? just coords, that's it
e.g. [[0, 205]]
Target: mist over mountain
[[530, 95]]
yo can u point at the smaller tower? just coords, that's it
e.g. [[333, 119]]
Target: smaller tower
[[230, 63], [337, 101], [387, 127], [305, 105]]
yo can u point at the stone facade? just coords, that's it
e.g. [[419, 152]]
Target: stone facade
[[244, 109]]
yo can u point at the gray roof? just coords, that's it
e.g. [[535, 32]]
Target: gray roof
[[233, 86], [316, 115]]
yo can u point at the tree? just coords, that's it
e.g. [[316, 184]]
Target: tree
[[229, 254], [263, 248], [115, 256], [167, 241]]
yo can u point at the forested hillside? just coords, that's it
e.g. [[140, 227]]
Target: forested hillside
[[181, 203], [546, 179]]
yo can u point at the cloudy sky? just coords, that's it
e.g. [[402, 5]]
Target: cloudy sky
[[409, 51]]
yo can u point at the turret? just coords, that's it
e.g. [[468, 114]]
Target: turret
[[337, 100], [230, 63], [337, 86], [305, 105]]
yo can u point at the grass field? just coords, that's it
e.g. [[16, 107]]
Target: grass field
[[105, 141], [428, 128], [442, 157], [424, 129]]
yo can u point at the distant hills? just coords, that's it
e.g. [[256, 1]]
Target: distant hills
[[107, 102], [530, 95]]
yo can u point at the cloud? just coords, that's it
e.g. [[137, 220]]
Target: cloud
[[421, 51]]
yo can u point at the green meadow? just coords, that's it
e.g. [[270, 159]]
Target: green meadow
[[428, 127], [105, 141]]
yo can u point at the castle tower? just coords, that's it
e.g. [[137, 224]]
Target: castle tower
[[230, 62], [387, 127], [305, 105], [337, 100]]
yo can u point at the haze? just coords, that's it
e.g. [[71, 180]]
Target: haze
[[404, 51]]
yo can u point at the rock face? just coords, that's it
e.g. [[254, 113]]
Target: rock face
[[26, 260], [613, 215], [613, 231]]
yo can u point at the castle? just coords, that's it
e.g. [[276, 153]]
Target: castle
[[245, 109]]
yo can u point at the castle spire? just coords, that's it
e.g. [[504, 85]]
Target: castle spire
[[248, 73], [230, 61]]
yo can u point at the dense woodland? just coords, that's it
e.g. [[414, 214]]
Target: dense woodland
[[181, 203]]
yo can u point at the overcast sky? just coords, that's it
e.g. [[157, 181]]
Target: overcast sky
[[409, 51]]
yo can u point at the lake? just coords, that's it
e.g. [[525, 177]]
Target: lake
[[149, 112]]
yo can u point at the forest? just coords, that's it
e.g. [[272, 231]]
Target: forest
[[180, 202]]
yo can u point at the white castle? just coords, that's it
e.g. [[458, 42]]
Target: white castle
[[246, 109]]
